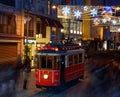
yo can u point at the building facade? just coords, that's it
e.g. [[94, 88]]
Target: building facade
[[26, 24], [10, 35]]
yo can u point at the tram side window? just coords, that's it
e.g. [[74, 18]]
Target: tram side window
[[36, 61], [56, 62], [80, 58], [70, 60], [76, 59]]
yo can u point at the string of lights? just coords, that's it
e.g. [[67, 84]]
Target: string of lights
[[100, 15]]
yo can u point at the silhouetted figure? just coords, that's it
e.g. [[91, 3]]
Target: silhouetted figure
[[26, 71], [25, 77], [8, 80], [27, 64]]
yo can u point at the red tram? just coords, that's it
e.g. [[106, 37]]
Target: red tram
[[58, 64]]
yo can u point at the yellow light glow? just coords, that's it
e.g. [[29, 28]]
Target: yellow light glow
[[117, 8], [54, 7], [56, 49], [45, 76]]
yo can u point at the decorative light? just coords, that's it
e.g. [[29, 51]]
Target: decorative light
[[71, 31], [80, 33], [54, 6], [96, 21], [114, 22], [65, 10], [109, 18], [117, 8], [104, 21], [56, 49], [85, 8], [93, 12], [77, 32], [77, 14], [108, 10], [104, 13], [115, 28], [118, 29], [74, 31]]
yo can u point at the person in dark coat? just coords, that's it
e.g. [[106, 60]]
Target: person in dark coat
[[27, 64], [27, 70]]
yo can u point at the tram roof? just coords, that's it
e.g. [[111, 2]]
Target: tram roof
[[59, 49], [59, 53]]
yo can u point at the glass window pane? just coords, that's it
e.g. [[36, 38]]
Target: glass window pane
[[80, 58], [43, 61], [70, 60], [76, 59]]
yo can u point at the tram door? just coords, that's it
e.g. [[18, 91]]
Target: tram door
[[62, 67]]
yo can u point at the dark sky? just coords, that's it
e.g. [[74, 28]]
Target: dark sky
[[8, 2], [106, 2], [94, 2], [113, 2]]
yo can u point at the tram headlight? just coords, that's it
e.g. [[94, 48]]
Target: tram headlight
[[45, 76]]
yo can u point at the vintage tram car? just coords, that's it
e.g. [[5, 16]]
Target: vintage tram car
[[59, 64]]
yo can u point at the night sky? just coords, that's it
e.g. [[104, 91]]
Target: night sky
[[113, 2], [8, 2]]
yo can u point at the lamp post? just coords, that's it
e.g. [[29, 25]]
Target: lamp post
[[68, 2], [27, 19]]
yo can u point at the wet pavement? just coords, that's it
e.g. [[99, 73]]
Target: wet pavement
[[92, 85], [31, 88]]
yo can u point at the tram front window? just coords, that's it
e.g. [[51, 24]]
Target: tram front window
[[50, 62], [46, 61], [43, 61]]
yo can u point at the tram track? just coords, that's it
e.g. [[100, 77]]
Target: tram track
[[51, 92]]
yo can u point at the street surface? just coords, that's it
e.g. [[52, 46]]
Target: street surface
[[97, 82]]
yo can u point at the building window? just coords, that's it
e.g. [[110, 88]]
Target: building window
[[41, 30], [53, 32], [72, 27], [7, 24]]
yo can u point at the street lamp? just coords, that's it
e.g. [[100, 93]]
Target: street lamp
[[27, 19], [54, 6]]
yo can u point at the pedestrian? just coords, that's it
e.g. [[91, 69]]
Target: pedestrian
[[27, 70], [7, 80], [25, 77], [27, 64]]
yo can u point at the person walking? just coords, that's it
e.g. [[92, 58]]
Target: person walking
[[27, 70]]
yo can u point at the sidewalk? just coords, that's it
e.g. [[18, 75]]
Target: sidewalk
[[31, 90]]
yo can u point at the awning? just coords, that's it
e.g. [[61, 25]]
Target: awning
[[50, 22], [46, 20]]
